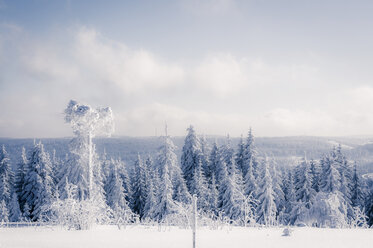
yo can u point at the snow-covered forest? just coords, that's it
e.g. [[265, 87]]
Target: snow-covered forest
[[233, 185]]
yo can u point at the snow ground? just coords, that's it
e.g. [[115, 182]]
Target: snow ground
[[139, 236]]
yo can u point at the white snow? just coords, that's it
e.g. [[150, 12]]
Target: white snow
[[140, 236]]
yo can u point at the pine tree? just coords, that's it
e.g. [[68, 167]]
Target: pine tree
[[277, 187], [165, 205], [190, 155], [231, 198], [15, 211], [290, 198], [213, 195], [250, 155], [357, 195], [123, 173], [139, 187], [215, 160], [240, 157], [4, 213], [250, 182], [330, 178], [167, 158], [205, 155], [116, 198], [200, 188], [303, 185], [38, 181], [266, 210], [315, 175], [20, 175], [5, 176]]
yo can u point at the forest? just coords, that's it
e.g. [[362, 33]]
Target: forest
[[233, 185]]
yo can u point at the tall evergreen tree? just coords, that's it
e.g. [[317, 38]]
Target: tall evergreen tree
[[190, 155], [200, 188], [38, 181], [315, 175], [330, 178], [266, 210], [4, 212], [357, 196], [240, 156], [303, 185], [15, 211], [250, 154], [250, 182], [205, 155], [5, 176], [139, 187], [20, 174]]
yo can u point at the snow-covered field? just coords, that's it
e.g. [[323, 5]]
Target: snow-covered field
[[133, 237]]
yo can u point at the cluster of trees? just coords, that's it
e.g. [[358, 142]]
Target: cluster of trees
[[235, 184]]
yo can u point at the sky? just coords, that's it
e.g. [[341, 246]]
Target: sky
[[284, 68]]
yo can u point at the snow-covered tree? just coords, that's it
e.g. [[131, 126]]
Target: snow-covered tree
[[200, 188], [4, 213], [38, 183], [165, 205], [6, 176], [167, 158], [266, 210], [250, 182], [250, 154], [303, 184], [240, 156], [139, 191], [231, 198], [315, 175], [14, 209], [191, 153], [86, 123], [330, 177], [20, 174], [115, 195], [205, 155], [357, 195]]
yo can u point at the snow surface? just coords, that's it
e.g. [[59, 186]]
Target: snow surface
[[140, 236]]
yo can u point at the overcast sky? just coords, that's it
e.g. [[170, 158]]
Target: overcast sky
[[282, 67]]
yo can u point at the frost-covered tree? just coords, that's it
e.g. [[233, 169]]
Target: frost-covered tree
[[250, 182], [277, 187], [14, 209], [6, 176], [205, 155], [315, 175], [20, 174], [139, 191], [240, 156], [191, 153], [250, 154], [330, 177], [167, 158], [231, 198], [165, 205], [357, 196], [38, 183], [213, 195], [200, 188], [123, 173], [4, 213], [303, 184], [227, 153], [290, 198], [115, 194], [266, 210], [86, 123], [215, 160]]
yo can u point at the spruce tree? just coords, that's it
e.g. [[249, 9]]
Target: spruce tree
[[330, 178], [20, 174], [14, 209], [4, 213], [357, 195], [266, 210], [5, 176], [139, 187], [190, 155], [250, 154], [38, 181], [240, 156]]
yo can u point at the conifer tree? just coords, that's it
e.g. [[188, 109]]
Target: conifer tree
[[315, 175], [4, 213], [38, 181], [5, 176], [190, 155], [205, 153], [266, 210], [250, 182], [240, 156], [330, 178], [250, 154], [14, 209], [200, 188], [215, 160], [357, 195], [20, 174], [139, 187], [303, 186]]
